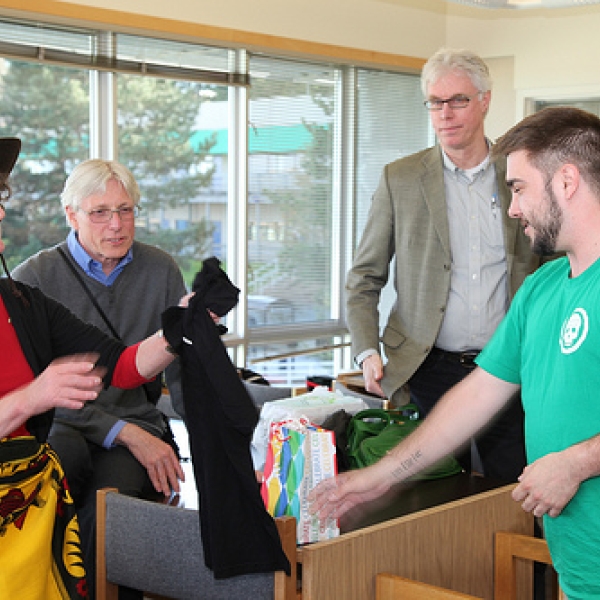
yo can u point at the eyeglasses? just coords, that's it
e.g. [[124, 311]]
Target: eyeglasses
[[455, 102], [104, 215]]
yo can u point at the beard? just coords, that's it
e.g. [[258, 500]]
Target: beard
[[544, 241]]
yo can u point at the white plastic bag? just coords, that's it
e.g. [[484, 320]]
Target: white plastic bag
[[316, 406]]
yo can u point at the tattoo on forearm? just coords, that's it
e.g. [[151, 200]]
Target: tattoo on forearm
[[406, 465]]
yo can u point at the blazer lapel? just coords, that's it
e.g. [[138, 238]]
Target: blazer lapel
[[432, 187]]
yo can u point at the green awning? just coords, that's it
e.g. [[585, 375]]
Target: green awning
[[262, 140]]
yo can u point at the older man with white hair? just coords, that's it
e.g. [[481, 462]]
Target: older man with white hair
[[439, 220]]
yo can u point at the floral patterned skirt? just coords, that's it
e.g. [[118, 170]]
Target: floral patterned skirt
[[40, 547]]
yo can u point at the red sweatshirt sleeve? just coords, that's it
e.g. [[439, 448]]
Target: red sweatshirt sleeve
[[126, 375]]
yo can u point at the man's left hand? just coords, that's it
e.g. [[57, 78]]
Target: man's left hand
[[547, 485], [158, 458]]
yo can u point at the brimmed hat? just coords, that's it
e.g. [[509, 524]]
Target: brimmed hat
[[9, 152]]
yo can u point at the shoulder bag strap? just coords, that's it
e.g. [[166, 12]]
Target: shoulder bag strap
[[89, 293]]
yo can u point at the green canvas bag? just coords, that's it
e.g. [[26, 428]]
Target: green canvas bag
[[375, 431]]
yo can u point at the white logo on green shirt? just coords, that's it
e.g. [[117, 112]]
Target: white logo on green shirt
[[574, 331]]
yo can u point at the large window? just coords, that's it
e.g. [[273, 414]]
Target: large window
[[267, 163], [293, 221], [292, 121]]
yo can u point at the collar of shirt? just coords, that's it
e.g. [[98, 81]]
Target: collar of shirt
[[92, 267], [471, 173]]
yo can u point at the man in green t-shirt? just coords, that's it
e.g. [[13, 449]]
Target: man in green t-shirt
[[548, 347]]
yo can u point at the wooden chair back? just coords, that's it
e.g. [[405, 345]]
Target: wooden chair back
[[165, 558], [510, 549], [394, 587]]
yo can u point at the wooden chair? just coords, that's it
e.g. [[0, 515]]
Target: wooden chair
[[510, 549], [394, 587], [157, 549]]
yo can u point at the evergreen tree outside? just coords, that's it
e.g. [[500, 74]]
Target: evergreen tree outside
[[155, 122], [48, 108]]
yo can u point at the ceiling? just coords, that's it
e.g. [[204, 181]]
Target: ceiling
[[525, 3]]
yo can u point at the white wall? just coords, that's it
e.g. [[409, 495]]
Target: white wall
[[555, 52], [502, 114]]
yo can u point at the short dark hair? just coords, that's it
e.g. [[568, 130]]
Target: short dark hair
[[555, 136]]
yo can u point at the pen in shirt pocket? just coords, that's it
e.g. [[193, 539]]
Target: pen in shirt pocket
[[494, 205]]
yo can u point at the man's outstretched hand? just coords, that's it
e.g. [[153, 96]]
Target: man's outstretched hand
[[336, 496]]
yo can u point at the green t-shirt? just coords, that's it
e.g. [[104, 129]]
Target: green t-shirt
[[549, 343]]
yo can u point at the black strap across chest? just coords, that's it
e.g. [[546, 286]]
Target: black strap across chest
[[89, 293]]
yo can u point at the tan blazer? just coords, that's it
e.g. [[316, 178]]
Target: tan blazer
[[408, 220]]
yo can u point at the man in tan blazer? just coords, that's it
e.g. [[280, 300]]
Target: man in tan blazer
[[459, 259]]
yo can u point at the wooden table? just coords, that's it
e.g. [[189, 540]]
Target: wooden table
[[439, 532]]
